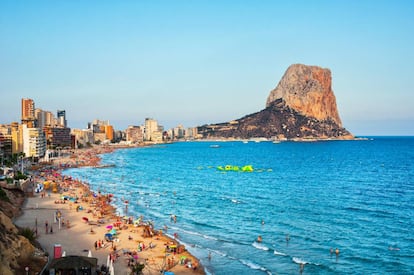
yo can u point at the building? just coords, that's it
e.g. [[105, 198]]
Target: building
[[83, 137], [191, 133], [151, 125], [178, 132], [100, 127], [44, 118], [5, 143], [100, 138], [28, 112], [34, 142], [61, 118], [76, 265], [134, 134], [17, 137], [109, 132], [153, 131], [57, 137]]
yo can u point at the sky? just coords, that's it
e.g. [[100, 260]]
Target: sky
[[200, 62]]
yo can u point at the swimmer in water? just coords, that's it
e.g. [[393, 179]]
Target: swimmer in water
[[337, 252], [259, 239]]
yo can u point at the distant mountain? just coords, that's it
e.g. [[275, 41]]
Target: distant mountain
[[302, 106]]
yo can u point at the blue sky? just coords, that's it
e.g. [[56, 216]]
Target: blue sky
[[200, 62]]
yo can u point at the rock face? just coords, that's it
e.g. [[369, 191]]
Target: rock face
[[302, 106], [307, 89], [16, 251]]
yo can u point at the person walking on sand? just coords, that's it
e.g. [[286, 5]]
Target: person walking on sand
[[46, 226]]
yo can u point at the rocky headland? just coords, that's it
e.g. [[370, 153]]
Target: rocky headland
[[301, 107]]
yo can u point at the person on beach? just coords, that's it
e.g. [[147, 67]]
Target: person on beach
[[46, 226]]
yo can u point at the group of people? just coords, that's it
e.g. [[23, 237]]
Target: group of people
[[99, 244]]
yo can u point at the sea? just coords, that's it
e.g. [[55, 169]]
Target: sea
[[304, 199]]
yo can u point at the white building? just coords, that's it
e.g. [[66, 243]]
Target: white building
[[151, 127], [34, 142]]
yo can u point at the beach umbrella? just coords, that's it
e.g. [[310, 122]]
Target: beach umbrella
[[90, 254]]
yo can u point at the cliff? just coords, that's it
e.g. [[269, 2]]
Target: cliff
[[307, 90], [16, 251], [302, 106]]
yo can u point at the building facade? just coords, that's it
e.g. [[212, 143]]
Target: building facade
[[34, 142], [134, 134], [57, 137], [28, 112]]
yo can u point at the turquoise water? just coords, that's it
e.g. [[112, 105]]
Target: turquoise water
[[357, 196]]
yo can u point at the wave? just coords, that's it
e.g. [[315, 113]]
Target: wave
[[254, 266], [260, 246], [247, 263], [301, 261], [279, 253], [265, 248], [218, 252]]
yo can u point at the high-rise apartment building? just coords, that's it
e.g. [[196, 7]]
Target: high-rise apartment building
[[28, 112], [34, 142], [151, 126], [61, 118], [44, 118]]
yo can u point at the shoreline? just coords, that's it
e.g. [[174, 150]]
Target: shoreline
[[86, 216]]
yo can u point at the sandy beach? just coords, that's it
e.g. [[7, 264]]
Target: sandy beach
[[85, 218]]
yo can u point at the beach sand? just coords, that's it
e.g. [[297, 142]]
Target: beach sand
[[91, 223]]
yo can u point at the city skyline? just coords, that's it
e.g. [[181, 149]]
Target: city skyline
[[204, 62]]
